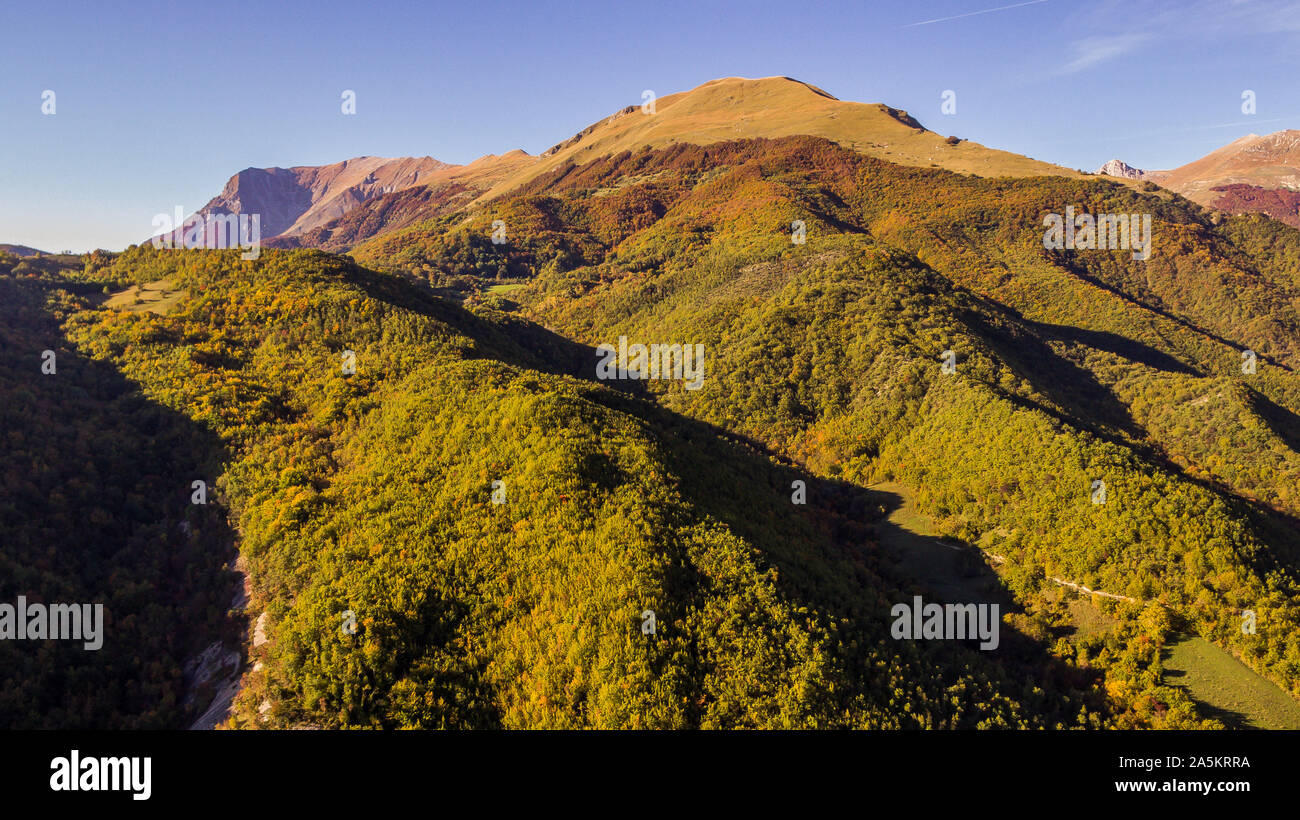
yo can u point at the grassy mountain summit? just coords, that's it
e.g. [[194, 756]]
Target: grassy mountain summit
[[739, 108], [717, 111]]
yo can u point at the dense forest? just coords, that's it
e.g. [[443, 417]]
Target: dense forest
[[371, 497], [448, 520]]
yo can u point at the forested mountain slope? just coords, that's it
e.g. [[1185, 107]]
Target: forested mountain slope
[[1073, 366], [369, 497]]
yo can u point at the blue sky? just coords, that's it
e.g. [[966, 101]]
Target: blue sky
[[159, 103]]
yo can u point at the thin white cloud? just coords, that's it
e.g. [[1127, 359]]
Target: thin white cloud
[[973, 13], [1148, 22], [1090, 51]]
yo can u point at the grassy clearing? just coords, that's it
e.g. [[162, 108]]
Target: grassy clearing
[[155, 297], [1226, 688]]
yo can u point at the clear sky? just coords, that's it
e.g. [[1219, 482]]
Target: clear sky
[[158, 104]]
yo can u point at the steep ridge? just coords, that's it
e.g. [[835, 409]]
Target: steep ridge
[[449, 188], [293, 200]]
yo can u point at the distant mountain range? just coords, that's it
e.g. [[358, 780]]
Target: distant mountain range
[[1251, 174], [336, 207]]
